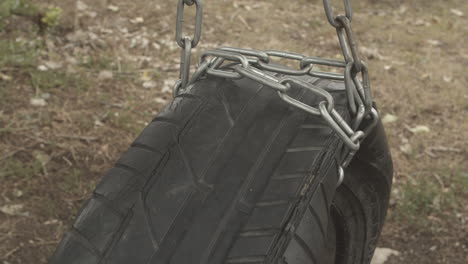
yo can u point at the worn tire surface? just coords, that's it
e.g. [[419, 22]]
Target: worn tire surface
[[229, 173]]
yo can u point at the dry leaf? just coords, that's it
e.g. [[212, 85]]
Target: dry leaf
[[381, 255], [38, 102], [457, 12], [419, 129], [105, 75], [14, 210], [388, 118], [406, 148], [113, 8]]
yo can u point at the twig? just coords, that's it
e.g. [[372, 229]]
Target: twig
[[246, 24], [11, 154], [439, 179], [445, 149], [11, 252], [85, 138]]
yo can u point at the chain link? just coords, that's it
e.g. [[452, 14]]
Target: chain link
[[237, 63]]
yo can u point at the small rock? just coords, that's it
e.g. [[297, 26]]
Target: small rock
[[145, 76], [81, 6], [98, 123], [419, 129], [388, 67], [41, 102], [51, 222], [434, 42], [17, 193], [388, 118], [456, 12], [168, 85], [42, 157], [371, 53], [77, 36], [149, 84], [5, 77], [381, 255], [406, 148], [160, 100], [447, 79], [105, 75], [113, 8], [14, 210], [42, 68], [137, 20], [53, 65]]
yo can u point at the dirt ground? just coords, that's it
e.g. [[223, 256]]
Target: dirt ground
[[73, 99]]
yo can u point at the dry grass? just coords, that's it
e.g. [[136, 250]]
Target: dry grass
[[52, 156]]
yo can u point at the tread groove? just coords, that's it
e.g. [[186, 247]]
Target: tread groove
[[199, 184], [227, 111], [80, 238], [289, 176], [134, 172], [327, 205], [317, 219], [146, 147], [107, 203], [306, 248], [259, 232], [272, 203], [251, 259], [304, 149], [147, 216]]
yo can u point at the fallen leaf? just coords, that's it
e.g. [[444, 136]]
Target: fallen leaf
[[137, 20], [406, 148], [53, 65], [5, 77], [113, 8], [447, 79], [17, 193], [145, 76], [381, 255], [42, 68], [80, 5], [419, 129], [168, 85], [42, 157], [14, 210], [38, 102], [160, 100], [149, 85], [456, 12], [105, 75], [434, 42], [388, 118]]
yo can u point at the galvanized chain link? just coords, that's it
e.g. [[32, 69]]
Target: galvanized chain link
[[185, 42], [237, 63]]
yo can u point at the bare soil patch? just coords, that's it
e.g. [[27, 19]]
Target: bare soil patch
[[73, 99]]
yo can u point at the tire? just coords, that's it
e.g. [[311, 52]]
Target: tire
[[230, 173]]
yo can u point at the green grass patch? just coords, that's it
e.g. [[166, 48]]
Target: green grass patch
[[50, 80], [19, 54], [425, 198], [18, 169]]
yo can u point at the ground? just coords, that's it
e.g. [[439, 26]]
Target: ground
[[73, 98]]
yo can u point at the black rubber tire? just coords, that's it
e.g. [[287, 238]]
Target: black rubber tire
[[229, 173]]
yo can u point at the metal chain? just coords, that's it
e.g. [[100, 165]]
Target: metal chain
[[237, 63], [185, 42]]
